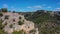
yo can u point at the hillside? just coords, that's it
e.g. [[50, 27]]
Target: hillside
[[47, 22], [40, 21], [15, 23]]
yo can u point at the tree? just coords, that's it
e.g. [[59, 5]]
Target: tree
[[20, 23], [11, 26], [1, 26], [1, 14], [13, 11], [4, 10], [19, 17]]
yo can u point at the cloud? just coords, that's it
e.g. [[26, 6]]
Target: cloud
[[57, 9], [5, 5], [12, 7], [34, 7], [37, 7], [49, 7], [29, 7], [58, 3]]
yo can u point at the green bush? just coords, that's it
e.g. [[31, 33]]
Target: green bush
[[20, 32], [19, 17], [1, 14], [11, 26], [6, 17], [20, 23]]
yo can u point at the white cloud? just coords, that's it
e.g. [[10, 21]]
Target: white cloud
[[58, 3], [49, 7], [57, 9], [12, 7], [5, 5], [35, 7], [29, 7]]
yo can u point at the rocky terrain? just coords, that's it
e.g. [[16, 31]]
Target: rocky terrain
[[37, 22], [13, 22]]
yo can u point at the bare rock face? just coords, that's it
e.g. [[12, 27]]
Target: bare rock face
[[10, 21]]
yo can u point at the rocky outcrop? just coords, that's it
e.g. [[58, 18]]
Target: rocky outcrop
[[10, 21]]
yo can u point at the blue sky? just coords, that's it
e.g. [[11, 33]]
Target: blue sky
[[30, 5]]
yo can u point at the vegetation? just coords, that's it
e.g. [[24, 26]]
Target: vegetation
[[1, 14], [13, 11], [11, 26], [32, 31], [4, 9], [46, 23], [20, 32], [40, 16], [6, 17], [20, 23], [19, 17], [1, 28]]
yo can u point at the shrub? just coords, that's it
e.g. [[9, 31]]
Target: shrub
[[33, 31], [20, 32], [19, 17], [6, 17], [20, 23], [1, 14], [11, 26]]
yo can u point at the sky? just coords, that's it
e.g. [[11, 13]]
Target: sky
[[30, 5]]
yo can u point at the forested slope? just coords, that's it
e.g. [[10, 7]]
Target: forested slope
[[46, 23]]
